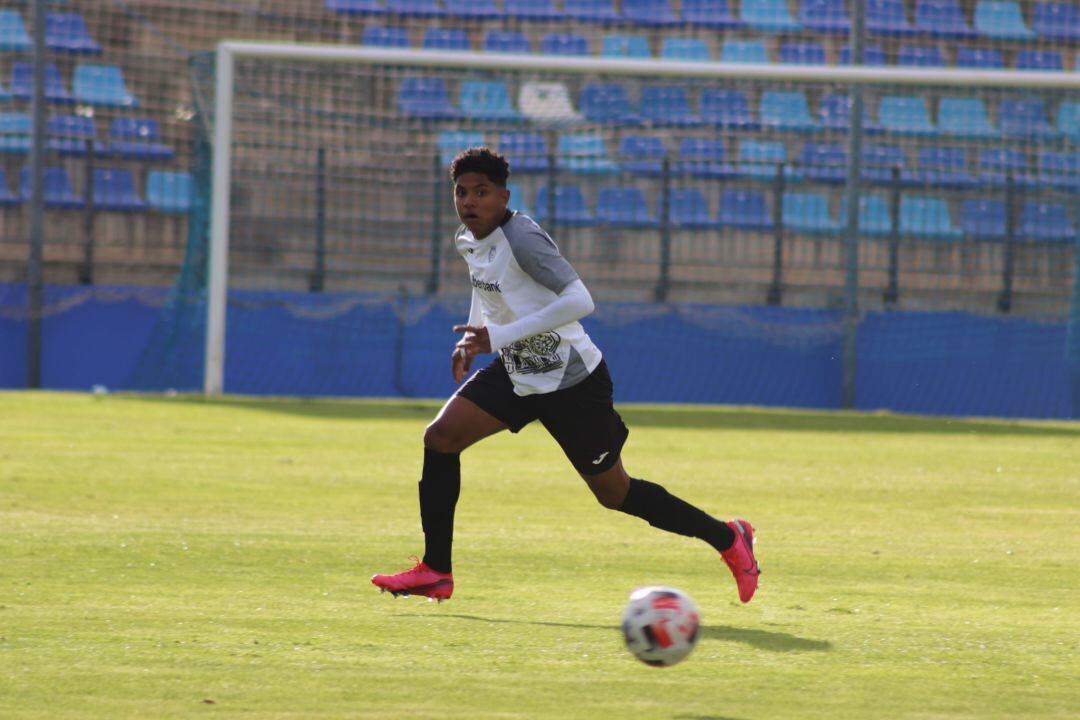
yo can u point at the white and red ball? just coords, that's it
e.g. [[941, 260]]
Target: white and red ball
[[660, 625]]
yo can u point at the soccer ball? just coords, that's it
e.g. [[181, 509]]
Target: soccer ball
[[660, 625]]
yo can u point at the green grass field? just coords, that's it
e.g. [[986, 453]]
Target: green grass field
[[177, 558]]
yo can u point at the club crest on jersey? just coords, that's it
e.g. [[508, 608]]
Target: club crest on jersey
[[533, 355], [491, 254], [485, 285]]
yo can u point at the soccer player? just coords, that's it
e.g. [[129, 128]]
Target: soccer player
[[526, 304]]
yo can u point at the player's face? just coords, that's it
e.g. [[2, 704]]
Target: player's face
[[481, 204]]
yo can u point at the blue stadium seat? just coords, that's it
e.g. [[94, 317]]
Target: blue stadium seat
[[446, 39], [596, 11], [727, 109], [758, 158], [927, 217], [5, 94], [711, 14], [667, 105], [689, 210], [942, 19], [983, 219], [650, 13], [22, 76], [1047, 60], [889, 18], [1025, 119], [802, 53], [745, 209], [114, 189], [13, 35], [642, 154], [975, 58], [426, 98], [15, 129], [1068, 120], [570, 206], [808, 212], [102, 85], [834, 111], [878, 162], [415, 8], [825, 16], [703, 158], [606, 103], [964, 117], [1047, 222], [744, 51], [873, 55], [874, 217], [473, 9], [768, 16], [168, 192], [68, 134], [1059, 170], [905, 115], [624, 207], [941, 167], [138, 138], [625, 46], [356, 7], [392, 37], [66, 32], [920, 56], [1056, 21], [787, 110], [585, 154], [518, 201], [534, 10], [452, 142], [684, 49], [7, 198], [58, 192], [564, 44], [487, 100], [527, 152], [507, 41], [997, 164], [1001, 20], [823, 163]]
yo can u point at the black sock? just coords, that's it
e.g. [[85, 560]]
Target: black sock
[[440, 485], [661, 509]]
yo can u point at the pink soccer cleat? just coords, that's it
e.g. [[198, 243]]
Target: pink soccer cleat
[[740, 558], [420, 580]]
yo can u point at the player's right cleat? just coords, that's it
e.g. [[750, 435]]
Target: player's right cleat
[[740, 558], [420, 580]]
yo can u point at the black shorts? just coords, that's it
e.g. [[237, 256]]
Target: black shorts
[[582, 418]]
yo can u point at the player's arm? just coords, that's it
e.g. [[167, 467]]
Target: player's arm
[[466, 348], [571, 304]]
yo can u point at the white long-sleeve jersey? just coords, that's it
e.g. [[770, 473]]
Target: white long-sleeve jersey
[[530, 299]]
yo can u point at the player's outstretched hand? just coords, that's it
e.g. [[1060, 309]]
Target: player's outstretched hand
[[475, 342]]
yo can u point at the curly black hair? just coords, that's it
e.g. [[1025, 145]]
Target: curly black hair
[[484, 161]]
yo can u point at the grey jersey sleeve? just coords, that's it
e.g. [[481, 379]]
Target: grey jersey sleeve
[[537, 254]]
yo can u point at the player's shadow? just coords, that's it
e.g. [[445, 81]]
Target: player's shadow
[[760, 639]]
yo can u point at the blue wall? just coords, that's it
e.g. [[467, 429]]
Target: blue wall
[[302, 344]]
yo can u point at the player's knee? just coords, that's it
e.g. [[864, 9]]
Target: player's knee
[[610, 497], [441, 437]]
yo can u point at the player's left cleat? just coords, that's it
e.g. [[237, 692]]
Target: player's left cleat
[[419, 580], [740, 558]]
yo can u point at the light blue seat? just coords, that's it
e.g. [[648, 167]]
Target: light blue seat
[[13, 35], [768, 16], [927, 217], [518, 201], [1001, 20], [585, 154], [689, 210], [786, 110], [874, 217], [624, 207], [684, 49], [1068, 120], [570, 207], [745, 210], [642, 155], [114, 190], [625, 46], [446, 39], [905, 115], [507, 41], [965, 117], [758, 158], [102, 85], [15, 129], [667, 106], [452, 142], [743, 51], [808, 212], [487, 100], [168, 192], [67, 32]]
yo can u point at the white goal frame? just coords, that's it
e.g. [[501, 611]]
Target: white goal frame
[[229, 51]]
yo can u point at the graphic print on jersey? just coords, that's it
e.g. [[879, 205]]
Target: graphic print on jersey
[[533, 355]]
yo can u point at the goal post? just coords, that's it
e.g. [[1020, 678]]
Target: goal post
[[640, 72]]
